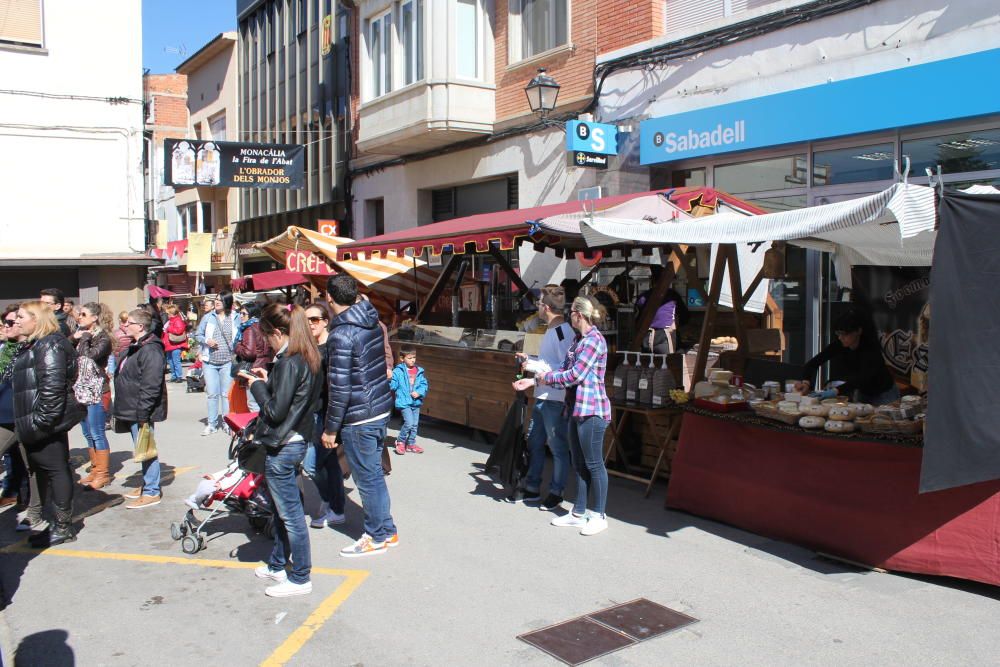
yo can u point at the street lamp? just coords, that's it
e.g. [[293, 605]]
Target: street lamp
[[542, 92]]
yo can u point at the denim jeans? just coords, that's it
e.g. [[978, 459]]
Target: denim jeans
[[586, 444], [363, 446], [217, 384], [93, 427], [174, 357], [408, 431], [291, 537], [322, 466], [547, 424], [150, 468]]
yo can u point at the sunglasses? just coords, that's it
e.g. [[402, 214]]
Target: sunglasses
[[316, 320], [9, 323], [131, 322]]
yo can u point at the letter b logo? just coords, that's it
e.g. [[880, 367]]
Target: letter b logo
[[582, 130]]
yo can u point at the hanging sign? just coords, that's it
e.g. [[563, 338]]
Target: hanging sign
[[199, 252], [327, 35], [591, 160], [307, 263], [328, 227], [599, 138], [232, 164]]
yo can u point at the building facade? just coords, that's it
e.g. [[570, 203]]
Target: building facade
[[288, 95], [213, 115], [166, 115], [71, 128], [791, 104]]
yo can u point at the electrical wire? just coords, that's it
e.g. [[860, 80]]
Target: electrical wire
[[79, 98]]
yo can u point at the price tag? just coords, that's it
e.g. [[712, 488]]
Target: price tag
[[657, 400], [643, 383], [618, 382], [630, 395]]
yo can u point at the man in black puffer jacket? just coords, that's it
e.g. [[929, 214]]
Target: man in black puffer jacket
[[141, 397], [358, 406]]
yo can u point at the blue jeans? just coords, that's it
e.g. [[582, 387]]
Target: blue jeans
[[174, 357], [93, 427], [586, 444], [408, 431], [217, 384], [547, 424], [363, 447], [150, 469], [291, 537], [322, 466]]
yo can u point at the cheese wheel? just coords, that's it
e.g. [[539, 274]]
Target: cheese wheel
[[816, 410], [842, 413], [839, 426], [812, 422]]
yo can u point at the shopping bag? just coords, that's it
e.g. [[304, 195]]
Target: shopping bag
[[145, 445], [345, 466], [238, 398]]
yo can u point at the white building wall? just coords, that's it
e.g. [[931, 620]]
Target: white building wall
[[71, 178], [883, 36]]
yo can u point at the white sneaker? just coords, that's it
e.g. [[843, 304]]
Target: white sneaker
[[595, 524], [265, 572], [209, 430], [570, 521], [327, 517], [287, 589]]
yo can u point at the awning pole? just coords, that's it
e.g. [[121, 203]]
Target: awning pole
[[439, 286], [416, 291]]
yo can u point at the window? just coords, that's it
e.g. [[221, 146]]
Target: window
[[853, 165], [467, 38], [684, 178], [762, 175], [537, 26], [380, 54], [411, 38], [375, 216], [685, 14], [956, 153], [21, 22]]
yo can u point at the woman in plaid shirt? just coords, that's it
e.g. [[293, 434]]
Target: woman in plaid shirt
[[582, 375]]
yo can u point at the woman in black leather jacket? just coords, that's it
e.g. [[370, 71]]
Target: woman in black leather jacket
[[288, 396], [93, 340], [45, 409]]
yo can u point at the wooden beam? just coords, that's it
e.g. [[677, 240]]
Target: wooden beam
[[591, 273], [439, 286], [754, 284], [712, 306], [736, 292], [505, 265], [656, 296]]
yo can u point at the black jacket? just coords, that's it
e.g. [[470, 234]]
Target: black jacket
[[288, 401], [140, 386], [97, 347], [44, 402], [862, 369], [61, 318], [356, 372]]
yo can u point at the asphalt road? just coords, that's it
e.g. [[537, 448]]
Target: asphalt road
[[471, 573]]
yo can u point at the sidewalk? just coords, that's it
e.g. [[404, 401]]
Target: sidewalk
[[471, 573]]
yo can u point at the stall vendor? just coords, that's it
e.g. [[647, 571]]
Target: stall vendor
[[864, 369]]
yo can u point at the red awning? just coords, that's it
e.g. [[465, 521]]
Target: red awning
[[156, 292], [507, 228], [275, 279]]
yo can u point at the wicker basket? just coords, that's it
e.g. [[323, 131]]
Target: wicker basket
[[768, 412], [883, 424]]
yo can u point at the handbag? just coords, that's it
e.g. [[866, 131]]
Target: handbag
[[177, 339], [89, 385], [145, 445]]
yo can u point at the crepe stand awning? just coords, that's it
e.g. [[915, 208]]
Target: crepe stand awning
[[270, 280], [156, 292]]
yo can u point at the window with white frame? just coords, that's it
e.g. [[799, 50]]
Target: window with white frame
[[21, 22], [685, 14], [537, 26], [467, 38], [380, 53], [411, 39]]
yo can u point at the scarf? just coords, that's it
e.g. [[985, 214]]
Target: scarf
[[242, 326], [8, 353]]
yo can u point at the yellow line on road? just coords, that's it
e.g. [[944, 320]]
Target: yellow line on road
[[321, 615]]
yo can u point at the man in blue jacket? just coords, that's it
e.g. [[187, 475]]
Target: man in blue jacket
[[359, 405]]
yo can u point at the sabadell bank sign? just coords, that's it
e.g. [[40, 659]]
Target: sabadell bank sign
[[891, 99]]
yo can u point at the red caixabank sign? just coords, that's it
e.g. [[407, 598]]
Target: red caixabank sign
[[307, 263]]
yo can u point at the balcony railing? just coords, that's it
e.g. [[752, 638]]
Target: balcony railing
[[223, 251]]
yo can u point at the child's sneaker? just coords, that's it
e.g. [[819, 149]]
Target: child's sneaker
[[364, 547], [400, 448], [416, 449]]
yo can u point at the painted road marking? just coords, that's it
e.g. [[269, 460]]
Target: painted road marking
[[281, 655]]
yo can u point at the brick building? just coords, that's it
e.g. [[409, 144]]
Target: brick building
[[166, 116]]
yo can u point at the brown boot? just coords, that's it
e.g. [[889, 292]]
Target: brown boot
[[92, 469], [102, 461]]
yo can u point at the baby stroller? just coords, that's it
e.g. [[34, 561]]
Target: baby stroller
[[240, 490], [195, 378]]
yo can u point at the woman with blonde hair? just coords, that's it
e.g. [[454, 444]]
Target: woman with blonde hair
[[582, 375], [93, 341], [45, 409]]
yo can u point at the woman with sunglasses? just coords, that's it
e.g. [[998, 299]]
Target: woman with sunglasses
[[93, 340], [251, 348], [45, 409], [10, 347], [321, 464]]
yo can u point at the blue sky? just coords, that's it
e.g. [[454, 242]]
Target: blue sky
[[171, 25]]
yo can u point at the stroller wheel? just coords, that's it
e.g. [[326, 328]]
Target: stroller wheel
[[191, 545], [178, 530]]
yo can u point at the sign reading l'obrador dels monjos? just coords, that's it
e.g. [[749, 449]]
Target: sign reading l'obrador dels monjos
[[232, 164]]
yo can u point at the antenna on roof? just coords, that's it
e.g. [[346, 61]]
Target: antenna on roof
[[179, 50]]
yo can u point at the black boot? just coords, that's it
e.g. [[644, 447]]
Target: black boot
[[53, 536]]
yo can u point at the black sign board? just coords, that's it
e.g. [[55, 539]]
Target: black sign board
[[232, 164], [592, 160]]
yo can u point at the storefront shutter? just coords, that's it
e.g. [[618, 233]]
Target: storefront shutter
[[21, 21], [740, 6], [685, 14]]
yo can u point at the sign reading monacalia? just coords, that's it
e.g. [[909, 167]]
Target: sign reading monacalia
[[232, 164]]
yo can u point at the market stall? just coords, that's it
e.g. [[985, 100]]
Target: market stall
[[847, 479]]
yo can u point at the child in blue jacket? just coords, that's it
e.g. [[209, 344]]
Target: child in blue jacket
[[410, 384]]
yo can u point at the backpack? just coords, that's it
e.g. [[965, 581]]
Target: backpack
[[89, 385]]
